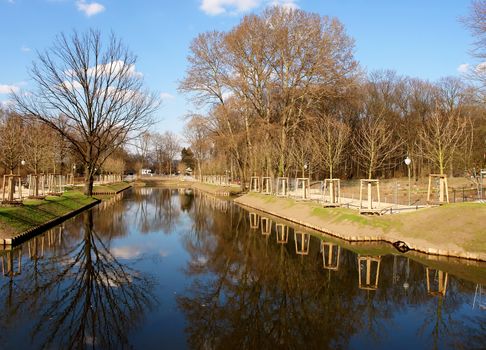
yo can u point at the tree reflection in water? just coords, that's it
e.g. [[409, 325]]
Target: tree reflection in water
[[250, 293], [85, 297]]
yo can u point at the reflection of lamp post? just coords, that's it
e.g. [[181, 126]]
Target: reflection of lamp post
[[407, 162]]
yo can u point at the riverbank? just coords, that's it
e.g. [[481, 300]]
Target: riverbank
[[215, 190], [454, 230], [34, 215]]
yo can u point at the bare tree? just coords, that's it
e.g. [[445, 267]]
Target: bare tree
[[167, 147], [330, 138], [36, 145], [441, 135], [11, 140], [374, 144], [196, 135], [91, 94], [142, 144]]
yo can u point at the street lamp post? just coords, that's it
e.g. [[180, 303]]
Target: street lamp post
[[407, 162], [74, 172], [22, 163]]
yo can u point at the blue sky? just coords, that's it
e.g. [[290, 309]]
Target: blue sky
[[419, 38]]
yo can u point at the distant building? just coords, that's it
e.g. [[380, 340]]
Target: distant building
[[146, 172]]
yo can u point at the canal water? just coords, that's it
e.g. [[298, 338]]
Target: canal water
[[168, 269]]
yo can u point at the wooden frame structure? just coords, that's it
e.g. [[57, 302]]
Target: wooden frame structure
[[254, 221], [36, 184], [266, 224], [371, 207], [440, 277], [330, 261], [55, 184], [443, 189], [255, 184], [267, 185], [305, 186], [10, 182], [282, 189], [302, 243], [282, 233], [368, 264], [332, 189]]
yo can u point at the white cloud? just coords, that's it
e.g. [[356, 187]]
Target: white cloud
[[286, 4], [89, 9], [111, 68], [481, 68], [24, 48], [217, 7], [463, 68], [166, 96], [7, 89], [127, 252]]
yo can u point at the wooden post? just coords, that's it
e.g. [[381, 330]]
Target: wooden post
[[368, 266], [333, 255], [302, 243], [254, 222], [282, 233], [266, 226]]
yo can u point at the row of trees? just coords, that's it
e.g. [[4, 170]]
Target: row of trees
[[31, 146], [284, 93], [158, 151]]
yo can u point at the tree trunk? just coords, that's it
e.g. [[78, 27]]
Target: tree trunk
[[88, 182]]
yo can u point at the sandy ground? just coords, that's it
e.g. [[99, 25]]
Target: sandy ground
[[457, 230]]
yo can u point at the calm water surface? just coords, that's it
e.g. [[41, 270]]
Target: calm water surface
[[159, 268]]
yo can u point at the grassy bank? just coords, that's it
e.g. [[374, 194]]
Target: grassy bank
[[15, 220], [34, 212], [452, 230]]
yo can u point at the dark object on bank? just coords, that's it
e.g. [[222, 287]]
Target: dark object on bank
[[401, 246]]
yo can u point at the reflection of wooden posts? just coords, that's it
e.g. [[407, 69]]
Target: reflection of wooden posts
[[282, 233], [302, 243], [267, 185], [282, 186], [332, 189], [8, 189], [305, 186], [368, 266], [443, 189], [438, 286], [33, 247], [478, 298], [330, 255], [255, 184], [370, 208], [8, 263], [266, 226], [254, 221]]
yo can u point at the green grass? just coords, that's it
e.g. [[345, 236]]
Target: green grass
[[33, 213], [111, 187]]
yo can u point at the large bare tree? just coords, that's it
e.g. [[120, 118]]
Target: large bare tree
[[89, 92]]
